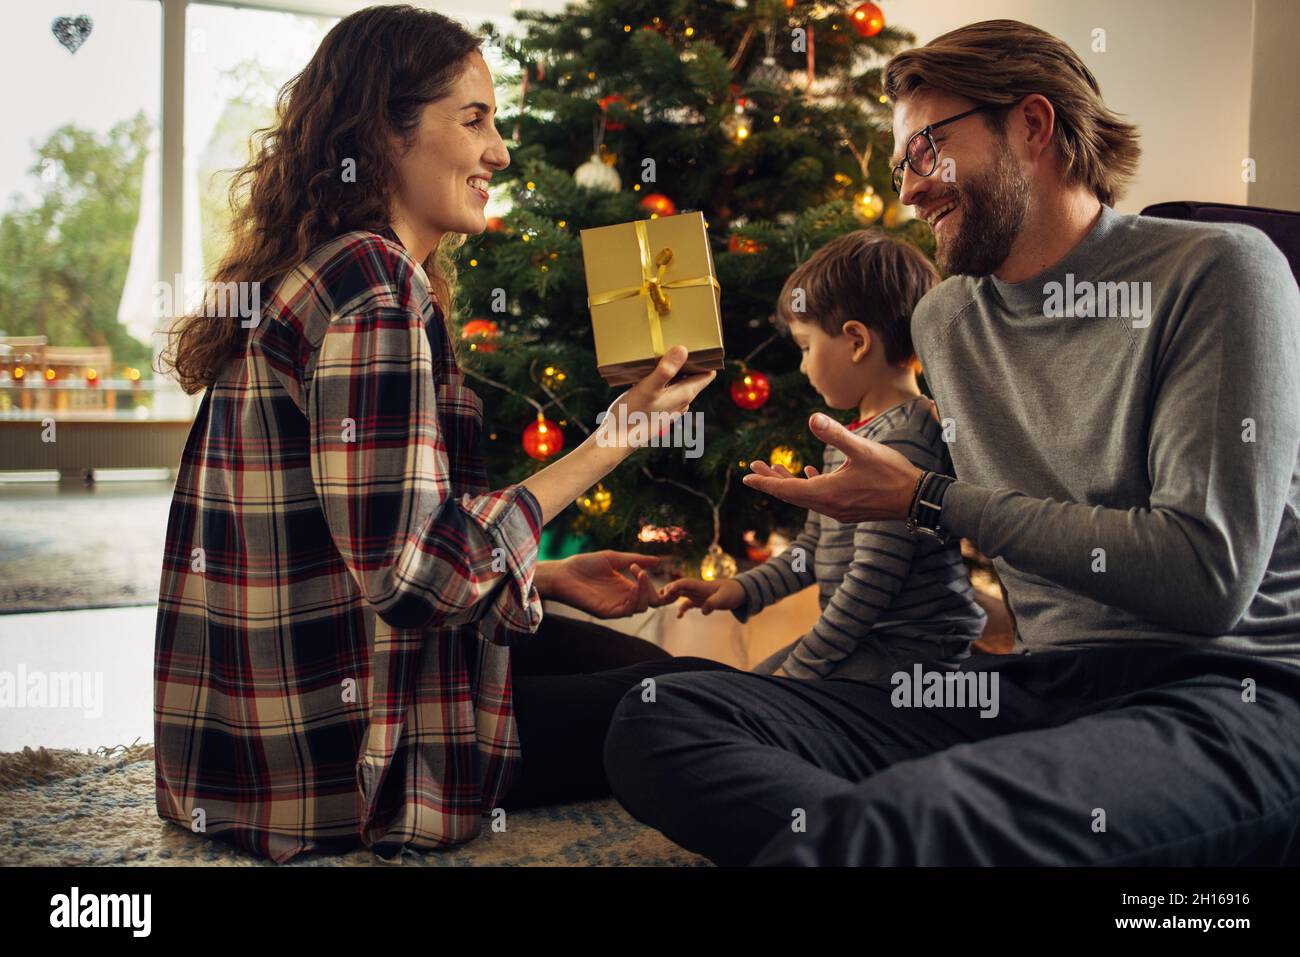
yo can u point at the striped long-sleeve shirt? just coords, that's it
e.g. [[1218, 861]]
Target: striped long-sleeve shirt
[[888, 597], [339, 586]]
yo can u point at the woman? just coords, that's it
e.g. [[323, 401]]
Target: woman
[[339, 588]]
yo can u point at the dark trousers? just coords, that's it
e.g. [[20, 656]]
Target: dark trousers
[[1107, 757], [567, 680]]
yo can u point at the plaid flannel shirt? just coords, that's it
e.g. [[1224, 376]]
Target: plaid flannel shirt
[[339, 588]]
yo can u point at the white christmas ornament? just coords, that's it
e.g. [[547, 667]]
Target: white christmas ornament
[[769, 74], [599, 175]]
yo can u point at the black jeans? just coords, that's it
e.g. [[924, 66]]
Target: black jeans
[[567, 679], [1107, 757]]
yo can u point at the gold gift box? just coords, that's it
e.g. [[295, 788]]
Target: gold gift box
[[651, 286]]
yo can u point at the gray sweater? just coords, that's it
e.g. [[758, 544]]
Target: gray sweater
[[888, 598], [1134, 477]]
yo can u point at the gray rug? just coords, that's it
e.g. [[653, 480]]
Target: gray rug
[[62, 549], [69, 808]]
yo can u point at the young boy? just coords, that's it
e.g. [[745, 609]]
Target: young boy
[[888, 598]]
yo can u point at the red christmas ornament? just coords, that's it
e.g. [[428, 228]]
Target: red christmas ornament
[[659, 203], [751, 390], [867, 19], [613, 99], [753, 550], [737, 243], [495, 224], [479, 333], [542, 438]]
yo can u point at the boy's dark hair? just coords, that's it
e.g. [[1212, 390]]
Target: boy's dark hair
[[865, 275]]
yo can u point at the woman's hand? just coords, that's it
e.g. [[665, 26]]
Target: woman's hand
[[556, 486], [594, 582], [658, 399], [875, 482], [721, 595]]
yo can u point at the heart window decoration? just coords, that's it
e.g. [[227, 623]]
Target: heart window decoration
[[72, 32]]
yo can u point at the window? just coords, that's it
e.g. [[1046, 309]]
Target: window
[[79, 217], [82, 224], [236, 60]]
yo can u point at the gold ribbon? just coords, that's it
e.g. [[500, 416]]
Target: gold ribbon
[[652, 287]]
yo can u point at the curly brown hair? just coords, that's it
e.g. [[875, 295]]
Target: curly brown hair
[[367, 83]]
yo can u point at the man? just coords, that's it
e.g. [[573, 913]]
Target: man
[[1121, 398]]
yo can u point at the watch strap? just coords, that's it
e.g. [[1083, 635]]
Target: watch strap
[[927, 505]]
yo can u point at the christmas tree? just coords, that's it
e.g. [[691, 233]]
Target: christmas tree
[[768, 117]]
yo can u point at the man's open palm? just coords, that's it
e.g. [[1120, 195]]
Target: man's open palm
[[875, 482]]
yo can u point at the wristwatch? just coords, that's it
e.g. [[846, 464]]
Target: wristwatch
[[927, 505]]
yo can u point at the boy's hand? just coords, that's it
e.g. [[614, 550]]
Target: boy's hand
[[707, 596]]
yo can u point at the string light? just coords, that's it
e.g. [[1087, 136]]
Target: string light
[[661, 533], [596, 501]]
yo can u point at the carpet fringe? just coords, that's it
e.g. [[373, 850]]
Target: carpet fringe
[[42, 765]]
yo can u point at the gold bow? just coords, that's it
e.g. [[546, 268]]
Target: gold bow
[[652, 287]]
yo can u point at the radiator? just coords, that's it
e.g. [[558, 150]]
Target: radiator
[[92, 445]]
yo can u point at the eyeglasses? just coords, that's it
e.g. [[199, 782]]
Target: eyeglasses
[[921, 156]]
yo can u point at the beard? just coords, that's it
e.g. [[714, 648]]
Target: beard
[[993, 206]]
